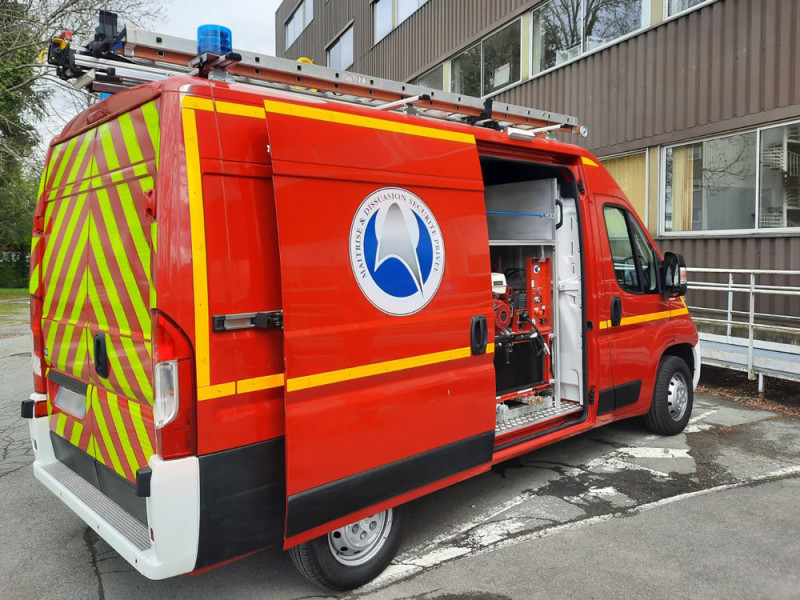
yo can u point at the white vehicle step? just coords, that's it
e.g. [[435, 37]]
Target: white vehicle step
[[109, 510], [515, 422]]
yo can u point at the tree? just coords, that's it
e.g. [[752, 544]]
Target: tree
[[30, 95]]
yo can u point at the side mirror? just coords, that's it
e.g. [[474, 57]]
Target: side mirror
[[675, 277]]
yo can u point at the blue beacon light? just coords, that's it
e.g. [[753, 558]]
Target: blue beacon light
[[213, 38]]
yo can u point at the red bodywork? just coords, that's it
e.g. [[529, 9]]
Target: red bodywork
[[350, 387]]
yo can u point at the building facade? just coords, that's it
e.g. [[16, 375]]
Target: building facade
[[693, 105]]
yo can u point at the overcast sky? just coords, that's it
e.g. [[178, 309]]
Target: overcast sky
[[252, 22]]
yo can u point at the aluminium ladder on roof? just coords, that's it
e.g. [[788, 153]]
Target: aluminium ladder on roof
[[147, 56]]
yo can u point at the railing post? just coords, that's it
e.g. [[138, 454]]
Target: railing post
[[730, 304], [750, 373]]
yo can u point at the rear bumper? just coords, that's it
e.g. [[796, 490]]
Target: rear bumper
[[168, 545]]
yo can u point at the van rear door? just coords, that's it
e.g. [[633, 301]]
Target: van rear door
[[384, 268]]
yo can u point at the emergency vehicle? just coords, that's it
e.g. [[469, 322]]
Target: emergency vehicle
[[272, 303]]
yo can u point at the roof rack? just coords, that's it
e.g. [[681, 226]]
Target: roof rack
[[120, 59]]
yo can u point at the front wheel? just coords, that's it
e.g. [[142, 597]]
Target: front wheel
[[673, 398], [354, 555]]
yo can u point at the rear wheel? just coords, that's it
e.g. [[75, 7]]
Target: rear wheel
[[673, 398], [354, 555]]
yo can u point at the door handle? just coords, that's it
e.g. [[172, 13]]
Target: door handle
[[100, 355], [479, 334], [616, 311]]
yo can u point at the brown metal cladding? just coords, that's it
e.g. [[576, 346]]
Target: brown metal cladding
[[731, 64], [751, 252]]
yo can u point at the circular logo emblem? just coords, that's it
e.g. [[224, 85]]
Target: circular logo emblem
[[396, 251]]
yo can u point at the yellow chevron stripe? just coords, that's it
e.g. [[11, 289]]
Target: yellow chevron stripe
[[54, 160], [51, 339], [129, 137], [199, 261], [102, 430], [122, 432], [48, 214], [54, 275], [80, 356], [33, 285], [77, 430], [63, 207], [128, 278], [61, 423], [63, 347], [63, 166], [141, 429], [80, 157], [97, 306], [118, 370], [83, 289], [332, 116], [137, 233], [93, 443], [138, 369], [151, 120], [108, 280], [77, 260]]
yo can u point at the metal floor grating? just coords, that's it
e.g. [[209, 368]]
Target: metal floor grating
[[106, 508], [530, 418]]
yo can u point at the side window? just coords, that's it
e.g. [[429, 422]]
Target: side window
[[632, 255]]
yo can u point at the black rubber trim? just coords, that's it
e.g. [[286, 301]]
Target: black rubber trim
[[26, 410], [606, 403], [68, 382], [143, 477], [242, 501], [325, 503], [75, 458], [117, 488], [627, 393]]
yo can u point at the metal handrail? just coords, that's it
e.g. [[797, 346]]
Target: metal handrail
[[751, 288]]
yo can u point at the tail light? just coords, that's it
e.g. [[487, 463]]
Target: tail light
[[39, 383], [173, 390]]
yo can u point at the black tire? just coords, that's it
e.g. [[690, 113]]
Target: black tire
[[321, 564], [673, 398]]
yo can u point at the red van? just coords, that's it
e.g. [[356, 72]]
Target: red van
[[267, 317]]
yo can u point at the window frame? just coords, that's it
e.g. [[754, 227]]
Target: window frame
[[630, 224], [756, 230], [301, 6], [668, 17], [394, 12], [479, 43], [336, 40]]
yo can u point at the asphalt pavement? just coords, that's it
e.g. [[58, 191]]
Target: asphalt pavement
[[613, 513]]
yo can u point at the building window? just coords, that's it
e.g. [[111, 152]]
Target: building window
[[611, 19], [678, 6], [556, 35], [388, 14], [711, 185], [489, 65], [630, 172], [301, 17], [563, 30], [432, 79], [340, 53], [779, 184]]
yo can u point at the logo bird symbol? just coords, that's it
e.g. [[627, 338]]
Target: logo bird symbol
[[395, 242]]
